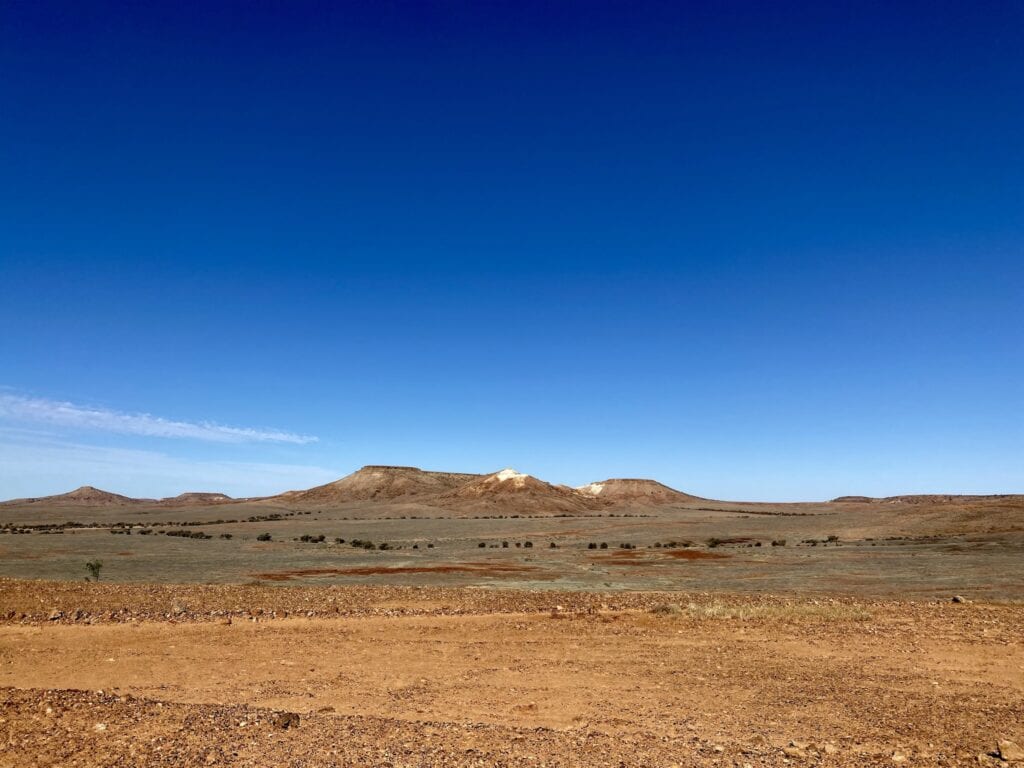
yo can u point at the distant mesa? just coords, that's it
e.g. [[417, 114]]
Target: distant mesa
[[621, 490], [383, 483], [197, 497], [505, 492]]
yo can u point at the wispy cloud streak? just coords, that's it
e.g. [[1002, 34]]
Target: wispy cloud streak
[[57, 413]]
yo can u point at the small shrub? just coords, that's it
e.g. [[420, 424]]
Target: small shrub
[[591, 545], [482, 544], [504, 545], [604, 545], [263, 537], [528, 544], [714, 542], [223, 535], [94, 567], [552, 545], [779, 543]]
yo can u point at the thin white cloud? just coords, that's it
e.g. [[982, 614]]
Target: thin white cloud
[[57, 413], [32, 465]]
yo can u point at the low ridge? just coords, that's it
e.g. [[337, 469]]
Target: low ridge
[[616, 490]]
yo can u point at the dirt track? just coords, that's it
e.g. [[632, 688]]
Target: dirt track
[[420, 680]]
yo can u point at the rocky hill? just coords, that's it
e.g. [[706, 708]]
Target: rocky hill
[[382, 483]]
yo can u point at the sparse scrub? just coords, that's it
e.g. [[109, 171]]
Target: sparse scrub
[[263, 537], [780, 612], [94, 567]]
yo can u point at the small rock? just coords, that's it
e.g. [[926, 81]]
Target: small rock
[[55, 615], [829, 749], [959, 599], [1010, 751], [100, 727], [899, 757], [793, 752], [286, 720]]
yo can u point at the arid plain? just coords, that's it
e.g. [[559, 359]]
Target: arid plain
[[400, 617]]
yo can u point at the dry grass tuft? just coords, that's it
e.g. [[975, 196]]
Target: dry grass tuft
[[779, 612]]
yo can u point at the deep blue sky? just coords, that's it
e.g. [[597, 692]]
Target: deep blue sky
[[766, 251]]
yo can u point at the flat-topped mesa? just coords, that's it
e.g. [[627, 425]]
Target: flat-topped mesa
[[383, 483], [627, 489], [197, 497]]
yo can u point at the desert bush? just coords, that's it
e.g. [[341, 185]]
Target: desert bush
[[94, 567], [591, 545], [223, 535], [263, 537], [430, 546], [714, 542], [604, 545], [833, 538], [482, 544], [779, 543], [504, 545], [552, 545]]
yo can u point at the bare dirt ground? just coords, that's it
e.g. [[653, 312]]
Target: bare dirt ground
[[140, 675]]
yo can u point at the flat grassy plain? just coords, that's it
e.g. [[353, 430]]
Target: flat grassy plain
[[869, 549]]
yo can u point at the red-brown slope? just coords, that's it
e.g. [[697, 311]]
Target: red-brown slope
[[383, 483]]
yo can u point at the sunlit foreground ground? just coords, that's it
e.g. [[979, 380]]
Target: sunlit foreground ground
[[136, 675]]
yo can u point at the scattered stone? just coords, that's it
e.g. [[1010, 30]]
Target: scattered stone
[[959, 599], [286, 720]]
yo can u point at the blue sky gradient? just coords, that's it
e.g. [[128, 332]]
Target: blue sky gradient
[[761, 251]]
